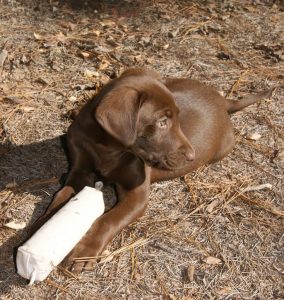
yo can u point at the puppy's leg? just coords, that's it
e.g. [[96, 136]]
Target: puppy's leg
[[131, 205], [75, 182]]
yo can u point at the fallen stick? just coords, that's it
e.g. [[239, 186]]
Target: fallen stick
[[257, 187]]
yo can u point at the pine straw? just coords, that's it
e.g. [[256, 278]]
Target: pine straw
[[204, 216]]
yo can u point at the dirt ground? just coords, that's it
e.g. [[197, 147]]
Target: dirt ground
[[214, 234]]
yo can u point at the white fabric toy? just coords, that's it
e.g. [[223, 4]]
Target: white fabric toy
[[59, 235]]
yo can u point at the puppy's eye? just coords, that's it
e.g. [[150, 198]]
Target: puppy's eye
[[163, 123]]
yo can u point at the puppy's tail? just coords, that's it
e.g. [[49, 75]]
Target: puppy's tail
[[234, 105]]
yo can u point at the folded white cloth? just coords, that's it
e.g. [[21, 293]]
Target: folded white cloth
[[59, 235]]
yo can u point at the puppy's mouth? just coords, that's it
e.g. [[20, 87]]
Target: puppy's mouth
[[171, 161], [163, 164], [168, 162], [152, 161], [156, 164]]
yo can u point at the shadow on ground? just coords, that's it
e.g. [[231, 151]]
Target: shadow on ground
[[34, 169], [38, 169]]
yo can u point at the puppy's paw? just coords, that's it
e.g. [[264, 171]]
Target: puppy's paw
[[83, 257]]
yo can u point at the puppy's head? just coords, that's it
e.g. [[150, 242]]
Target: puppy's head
[[140, 112]]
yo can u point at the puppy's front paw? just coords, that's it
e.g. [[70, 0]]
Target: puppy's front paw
[[83, 256]]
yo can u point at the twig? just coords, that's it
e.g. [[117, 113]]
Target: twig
[[133, 263], [193, 28], [68, 273], [138, 243], [263, 205], [2, 211], [56, 285], [237, 83]]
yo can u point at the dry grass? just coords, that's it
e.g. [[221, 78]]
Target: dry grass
[[204, 236]]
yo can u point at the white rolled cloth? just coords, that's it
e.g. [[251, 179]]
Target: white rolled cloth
[[58, 236]]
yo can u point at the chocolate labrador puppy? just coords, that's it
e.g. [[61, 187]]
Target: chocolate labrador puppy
[[141, 128]]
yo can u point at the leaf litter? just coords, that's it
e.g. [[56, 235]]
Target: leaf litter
[[216, 233]]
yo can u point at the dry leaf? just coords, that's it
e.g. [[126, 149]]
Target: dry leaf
[[68, 25], [212, 205], [190, 272], [84, 54], [71, 26], [27, 108], [137, 58], [60, 37], [224, 291], [90, 73], [104, 64], [43, 81], [38, 37], [150, 60], [15, 225], [3, 56], [211, 260], [72, 98], [253, 136], [97, 32], [107, 23]]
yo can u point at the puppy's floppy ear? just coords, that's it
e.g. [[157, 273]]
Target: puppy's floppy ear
[[118, 114]]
